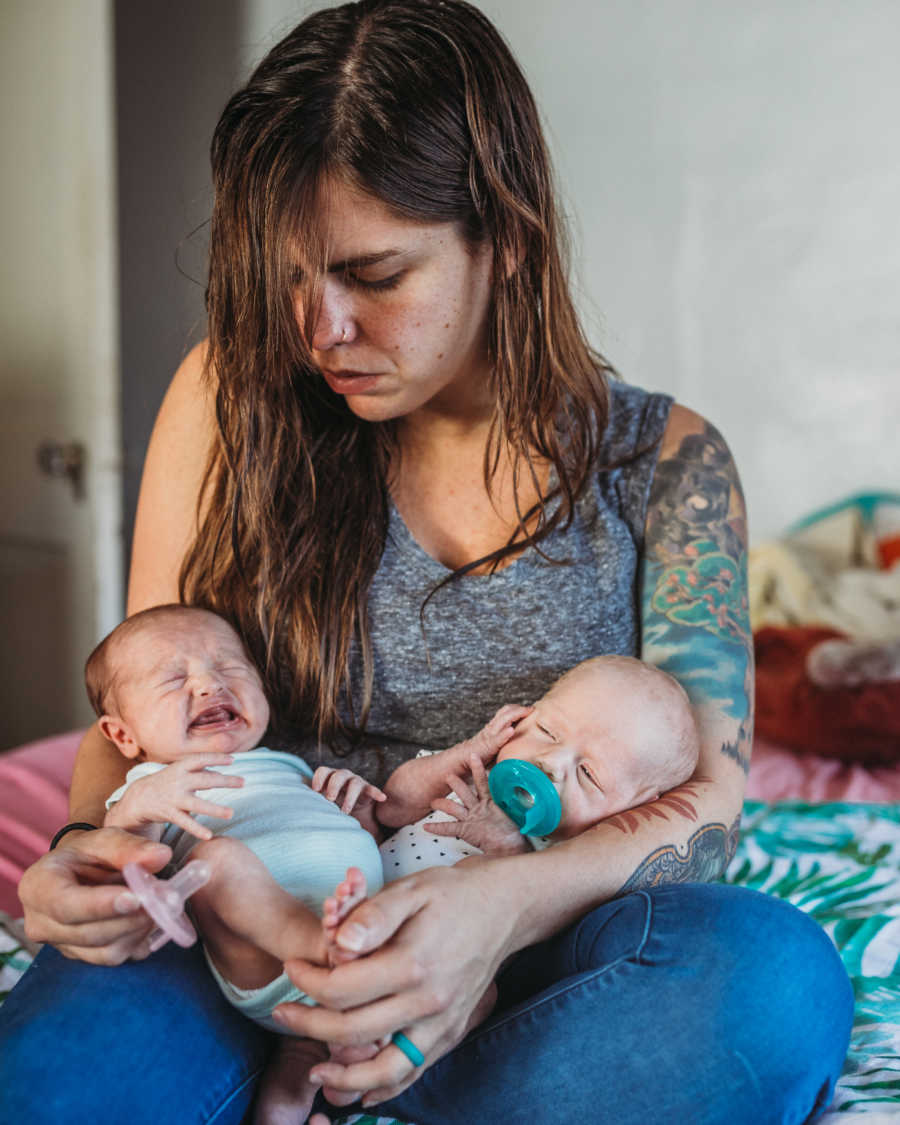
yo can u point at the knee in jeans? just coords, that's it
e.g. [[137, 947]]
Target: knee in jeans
[[616, 930], [796, 997]]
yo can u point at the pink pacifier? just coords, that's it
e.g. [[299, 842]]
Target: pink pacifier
[[164, 900]]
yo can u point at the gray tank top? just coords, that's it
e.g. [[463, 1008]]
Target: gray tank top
[[504, 638]]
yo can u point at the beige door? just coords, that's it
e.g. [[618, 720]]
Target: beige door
[[60, 541]]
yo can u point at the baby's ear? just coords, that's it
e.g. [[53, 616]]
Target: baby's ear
[[115, 730]]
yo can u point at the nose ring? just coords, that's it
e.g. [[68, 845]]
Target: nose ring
[[344, 334]]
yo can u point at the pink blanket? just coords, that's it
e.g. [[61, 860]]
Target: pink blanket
[[34, 782], [34, 787], [779, 774]]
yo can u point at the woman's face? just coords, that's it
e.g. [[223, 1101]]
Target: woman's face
[[402, 327]]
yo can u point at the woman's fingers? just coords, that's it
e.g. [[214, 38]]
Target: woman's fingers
[[383, 1076], [105, 942], [404, 981], [77, 905], [112, 848], [68, 892], [371, 924], [348, 1027]]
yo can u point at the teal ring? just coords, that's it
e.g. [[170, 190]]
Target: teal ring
[[409, 1048]]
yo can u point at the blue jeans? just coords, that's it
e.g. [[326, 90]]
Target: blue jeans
[[692, 1003]]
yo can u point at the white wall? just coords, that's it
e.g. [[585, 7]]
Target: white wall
[[732, 171]]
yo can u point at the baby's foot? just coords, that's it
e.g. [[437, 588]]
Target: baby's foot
[[286, 1093], [347, 895]]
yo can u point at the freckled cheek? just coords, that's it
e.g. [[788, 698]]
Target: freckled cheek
[[422, 330]]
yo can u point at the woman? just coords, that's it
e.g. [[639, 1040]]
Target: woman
[[400, 470]]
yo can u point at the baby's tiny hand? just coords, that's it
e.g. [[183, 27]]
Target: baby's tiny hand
[[169, 796], [478, 820], [493, 735], [346, 789], [352, 794]]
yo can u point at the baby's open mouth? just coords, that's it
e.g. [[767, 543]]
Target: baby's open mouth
[[218, 716]]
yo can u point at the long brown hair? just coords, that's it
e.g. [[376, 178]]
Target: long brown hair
[[421, 104]]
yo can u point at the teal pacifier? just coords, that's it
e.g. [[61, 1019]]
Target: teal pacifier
[[526, 795]]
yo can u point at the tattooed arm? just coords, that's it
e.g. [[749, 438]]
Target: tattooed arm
[[695, 626]]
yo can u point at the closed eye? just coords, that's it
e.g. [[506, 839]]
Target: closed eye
[[587, 772], [378, 286], [548, 733]]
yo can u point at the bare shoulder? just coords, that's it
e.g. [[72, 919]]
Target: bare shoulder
[[190, 394], [174, 471], [684, 422]]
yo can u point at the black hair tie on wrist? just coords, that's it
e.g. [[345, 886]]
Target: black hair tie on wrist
[[80, 825]]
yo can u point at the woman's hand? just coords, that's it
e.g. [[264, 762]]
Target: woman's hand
[[404, 979], [75, 899]]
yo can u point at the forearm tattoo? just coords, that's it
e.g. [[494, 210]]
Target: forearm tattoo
[[696, 610], [676, 801], [705, 857]]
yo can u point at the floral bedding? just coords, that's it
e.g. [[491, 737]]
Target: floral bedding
[[840, 863]]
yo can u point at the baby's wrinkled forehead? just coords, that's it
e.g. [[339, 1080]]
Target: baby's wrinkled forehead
[[144, 642], [160, 641]]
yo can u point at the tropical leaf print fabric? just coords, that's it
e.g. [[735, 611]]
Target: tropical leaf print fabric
[[841, 864]]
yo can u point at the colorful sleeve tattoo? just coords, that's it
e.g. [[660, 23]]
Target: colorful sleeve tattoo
[[695, 626]]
